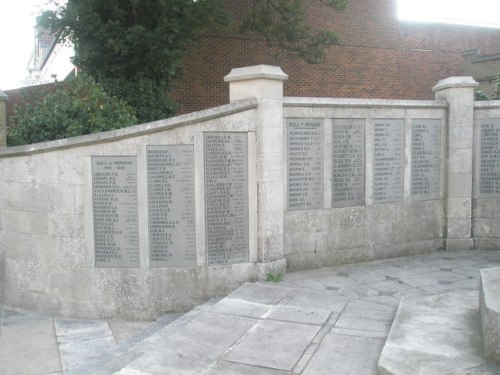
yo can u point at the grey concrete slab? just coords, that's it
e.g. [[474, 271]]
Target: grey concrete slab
[[82, 341], [264, 293], [303, 314], [274, 344], [28, 345], [189, 348], [123, 330], [242, 308], [322, 300], [325, 321], [433, 335], [231, 368], [345, 355]]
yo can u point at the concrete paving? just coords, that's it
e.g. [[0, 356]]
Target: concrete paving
[[325, 321]]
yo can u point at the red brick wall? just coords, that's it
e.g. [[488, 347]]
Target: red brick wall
[[381, 57]]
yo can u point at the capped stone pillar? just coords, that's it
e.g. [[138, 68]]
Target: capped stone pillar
[[265, 83], [459, 93], [3, 119]]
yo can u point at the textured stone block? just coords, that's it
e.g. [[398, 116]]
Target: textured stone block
[[459, 208], [489, 307], [460, 161]]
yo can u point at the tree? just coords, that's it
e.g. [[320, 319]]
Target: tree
[[136, 47], [78, 107]]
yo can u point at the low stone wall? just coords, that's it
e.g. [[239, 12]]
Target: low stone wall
[[159, 217], [46, 225], [381, 191]]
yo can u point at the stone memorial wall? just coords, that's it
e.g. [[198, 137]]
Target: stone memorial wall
[[162, 216], [489, 159], [226, 197], [171, 224], [114, 198], [388, 154], [425, 158], [304, 164], [348, 162]]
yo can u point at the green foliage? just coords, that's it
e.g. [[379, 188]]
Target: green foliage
[[135, 48], [148, 98], [132, 39], [78, 107], [274, 278], [480, 95], [284, 25]]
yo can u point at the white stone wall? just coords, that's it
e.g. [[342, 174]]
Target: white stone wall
[[47, 260], [46, 253], [486, 208], [329, 236]]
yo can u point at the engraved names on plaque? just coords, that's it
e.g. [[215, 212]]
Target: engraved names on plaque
[[226, 197], [425, 158], [348, 162], [305, 164], [489, 160], [115, 216], [388, 154], [172, 240]]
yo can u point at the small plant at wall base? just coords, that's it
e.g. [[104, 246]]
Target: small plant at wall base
[[274, 278], [78, 107]]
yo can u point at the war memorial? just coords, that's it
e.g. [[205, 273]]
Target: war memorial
[[161, 217]]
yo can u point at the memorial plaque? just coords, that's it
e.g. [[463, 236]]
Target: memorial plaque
[[425, 158], [348, 162], [226, 197], [172, 238], [388, 154], [305, 164], [489, 160], [114, 200]]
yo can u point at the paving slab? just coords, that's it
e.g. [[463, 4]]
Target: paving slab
[[82, 341], [324, 321], [274, 344], [28, 345], [347, 355], [437, 334]]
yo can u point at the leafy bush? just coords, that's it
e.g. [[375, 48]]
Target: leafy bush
[[480, 95], [78, 107], [148, 97]]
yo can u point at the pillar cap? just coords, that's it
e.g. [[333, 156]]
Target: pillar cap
[[455, 82], [256, 72], [3, 96]]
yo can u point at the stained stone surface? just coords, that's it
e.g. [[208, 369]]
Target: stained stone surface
[[324, 321]]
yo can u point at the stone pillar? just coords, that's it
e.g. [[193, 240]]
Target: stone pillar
[[459, 93], [265, 83], [3, 119]]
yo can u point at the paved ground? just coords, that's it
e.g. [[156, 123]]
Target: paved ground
[[325, 321]]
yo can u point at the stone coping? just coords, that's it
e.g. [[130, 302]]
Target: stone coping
[[133, 131], [369, 103], [487, 104], [489, 305]]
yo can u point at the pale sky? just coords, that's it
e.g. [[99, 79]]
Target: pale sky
[[466, 12], [18, 19]]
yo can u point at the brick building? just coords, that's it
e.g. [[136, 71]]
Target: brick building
[[381, 57]]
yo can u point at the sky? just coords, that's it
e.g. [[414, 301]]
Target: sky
[[17, 20]]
